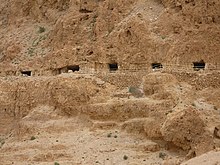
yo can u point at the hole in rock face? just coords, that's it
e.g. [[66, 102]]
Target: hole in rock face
[[199, 65], [66, 69], [85, 11], [128, 33], [113, 66], [91, 52], [156, 65], [74, 68], [26, 73]]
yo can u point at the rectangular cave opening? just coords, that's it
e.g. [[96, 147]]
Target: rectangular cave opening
[[73, 68], [156, 65], [84, 11], [26, 73], [113, 66], [199, 65]]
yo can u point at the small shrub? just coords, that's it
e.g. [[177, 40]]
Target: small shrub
[[115, 136], [2, 142], [41, 29], [162, 155], [109, 135], [56, 163], [193, 104], [31, 51], [37, 40], [125, 157], [163, 37], [170, 111], [33, 137], [215, 108]]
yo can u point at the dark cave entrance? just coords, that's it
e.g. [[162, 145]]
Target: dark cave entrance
[[26, 73], [156, 65], [74, 68], [113, 66], [199, 65]]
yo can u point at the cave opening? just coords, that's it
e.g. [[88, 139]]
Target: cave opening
[[113, 66], [85, 11], [26, 73], [74, 68], [199, 65], [156, 65]]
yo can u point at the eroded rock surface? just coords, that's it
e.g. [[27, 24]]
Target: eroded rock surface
[[109, 82]]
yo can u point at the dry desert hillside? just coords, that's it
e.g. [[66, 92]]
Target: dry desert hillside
[[110, 82]]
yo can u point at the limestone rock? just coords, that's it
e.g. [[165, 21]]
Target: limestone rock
[[186, 129]]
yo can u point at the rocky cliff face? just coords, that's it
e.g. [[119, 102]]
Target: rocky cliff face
[[132, 33], [87, 67]]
